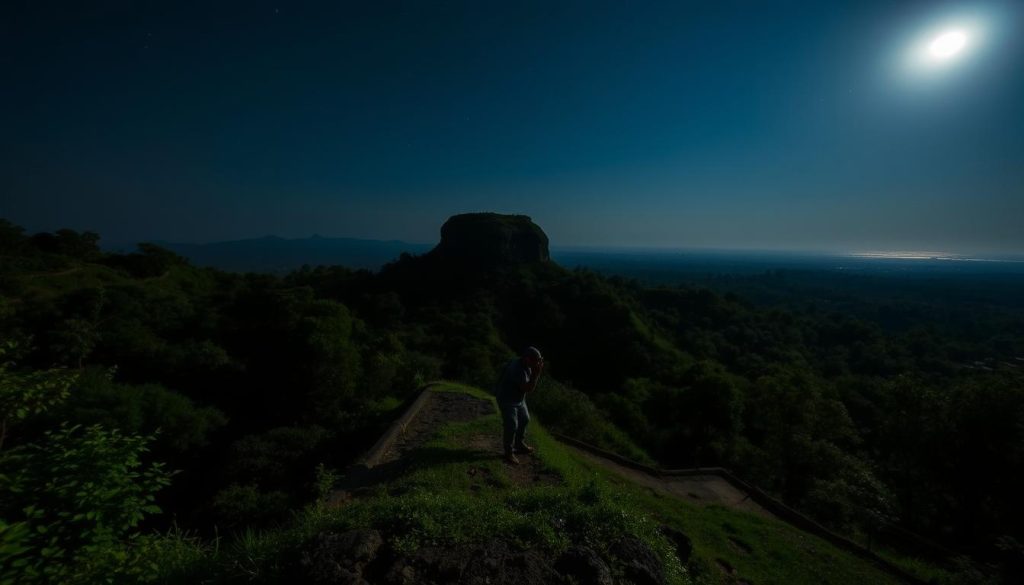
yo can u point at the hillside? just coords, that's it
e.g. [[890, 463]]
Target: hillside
[[443, 508], [213, 406]]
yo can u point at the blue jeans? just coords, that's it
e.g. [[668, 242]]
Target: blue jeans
[[514, 418]]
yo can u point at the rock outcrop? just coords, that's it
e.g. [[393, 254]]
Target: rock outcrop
[[364, 557], [492, 239]]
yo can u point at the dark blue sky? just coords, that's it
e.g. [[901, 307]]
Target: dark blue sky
[[792, 125]]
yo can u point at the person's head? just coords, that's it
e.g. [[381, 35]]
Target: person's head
[[532, 357]]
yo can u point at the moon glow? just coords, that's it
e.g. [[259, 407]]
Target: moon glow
[[947, 45]]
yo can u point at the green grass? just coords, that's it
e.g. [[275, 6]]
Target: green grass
[[455, 494], [921, 569]]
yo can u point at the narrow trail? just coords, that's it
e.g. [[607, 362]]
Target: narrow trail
[[442, 408], [405, 444], [698, 489], [447, 407]]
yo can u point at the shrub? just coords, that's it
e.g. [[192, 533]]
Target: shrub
[[71, 500]]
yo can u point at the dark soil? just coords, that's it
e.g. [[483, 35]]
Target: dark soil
[[441, 408], [445, 407], [529, 470]]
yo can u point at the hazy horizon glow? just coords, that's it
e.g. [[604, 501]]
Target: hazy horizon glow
[[866, 125]]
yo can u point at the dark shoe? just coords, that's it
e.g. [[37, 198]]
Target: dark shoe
[[511, 459], [524, 449]]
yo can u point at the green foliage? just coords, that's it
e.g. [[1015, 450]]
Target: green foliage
[[149, 262], [71, 497], [433, 505], [27, 394], [77, 494], [325, 331], [143, 409], [272, 458], [416, 369], [271, 472], [65, 242], [324, 482], [12, 237], [175, 556], [567, 410], [76, 339], [244, 505], [854, 498]]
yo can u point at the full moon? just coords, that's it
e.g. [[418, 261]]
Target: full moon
[[947, 45], [944, 45]]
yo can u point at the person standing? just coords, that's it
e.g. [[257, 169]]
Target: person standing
[[518, 378]]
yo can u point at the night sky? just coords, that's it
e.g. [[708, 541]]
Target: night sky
[[785, 125]]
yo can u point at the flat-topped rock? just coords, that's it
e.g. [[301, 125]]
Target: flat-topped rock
[[492, 238]]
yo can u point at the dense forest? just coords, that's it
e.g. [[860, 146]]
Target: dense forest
[[142, 395]]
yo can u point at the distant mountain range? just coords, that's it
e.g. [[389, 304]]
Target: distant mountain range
[[276, 255]]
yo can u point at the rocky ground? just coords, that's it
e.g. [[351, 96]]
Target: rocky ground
[[362, 557]]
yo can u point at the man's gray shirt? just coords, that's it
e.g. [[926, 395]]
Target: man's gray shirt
[[509, 387]]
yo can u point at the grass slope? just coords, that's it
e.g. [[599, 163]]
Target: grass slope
[[456, 492]]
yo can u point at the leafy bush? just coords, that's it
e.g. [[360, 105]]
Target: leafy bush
[[567, 410], [142, 409], [71, 498], [70, 501], [27, 394], [275, 457], [244, 505]]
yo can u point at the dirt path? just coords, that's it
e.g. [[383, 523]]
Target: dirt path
[[699, 489], [481, 454], [447, 407], [441, 408], [529, 471]]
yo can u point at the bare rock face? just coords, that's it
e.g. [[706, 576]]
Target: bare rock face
[[339, 559], [364, 557], [492, 239], [639, 563], [682, 543], [584, 565], [491, 563]]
